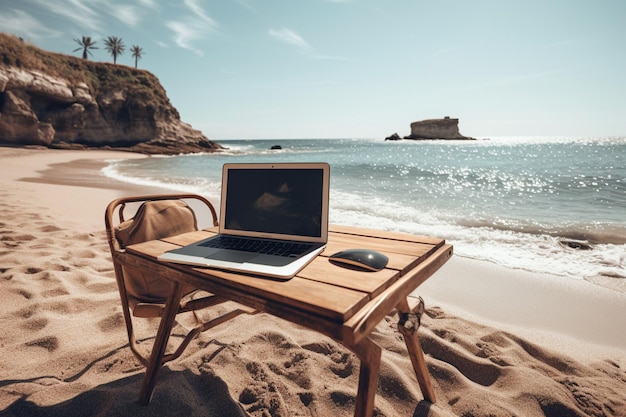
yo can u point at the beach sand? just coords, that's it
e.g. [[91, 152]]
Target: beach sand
[[498, 342]]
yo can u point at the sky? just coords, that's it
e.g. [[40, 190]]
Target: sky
[[289, 69]]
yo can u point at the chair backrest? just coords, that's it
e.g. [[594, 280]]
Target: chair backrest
[[156, 220], [157, 217]]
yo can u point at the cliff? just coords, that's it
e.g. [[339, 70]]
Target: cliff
[[61, 101], [445, 128]]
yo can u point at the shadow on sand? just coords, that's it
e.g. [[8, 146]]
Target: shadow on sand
[[179, 393]]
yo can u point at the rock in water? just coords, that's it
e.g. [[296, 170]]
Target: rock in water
[[445, 128]]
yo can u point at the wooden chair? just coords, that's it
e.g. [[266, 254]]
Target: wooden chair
[[144, 305]]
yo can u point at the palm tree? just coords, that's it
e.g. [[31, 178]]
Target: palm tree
[[137, 53], [114, 46], [86, 44]]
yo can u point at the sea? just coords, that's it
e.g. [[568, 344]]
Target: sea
[[544, 204]]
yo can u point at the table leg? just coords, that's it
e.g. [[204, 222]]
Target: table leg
[[415, 350], [160, 343], [369, 353]]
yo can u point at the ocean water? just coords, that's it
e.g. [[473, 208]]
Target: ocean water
[[513, 201]]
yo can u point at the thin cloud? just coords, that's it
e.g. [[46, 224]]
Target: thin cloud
[[185, 35], [197, 10], [290, 37], [89, 14], [127, 14], [78, 11], [192, 28], [21, 23]]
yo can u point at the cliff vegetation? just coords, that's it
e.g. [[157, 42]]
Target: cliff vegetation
[[58, 100]]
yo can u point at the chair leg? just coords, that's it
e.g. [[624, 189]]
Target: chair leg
[[160, 343], [202, 328], [369, 353], [408, 328]]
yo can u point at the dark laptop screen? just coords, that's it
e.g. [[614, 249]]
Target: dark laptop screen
[[284, 201]]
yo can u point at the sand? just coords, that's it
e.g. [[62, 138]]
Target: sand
[[498, 342]]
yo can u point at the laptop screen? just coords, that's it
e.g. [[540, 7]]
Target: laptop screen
[[276, 200]]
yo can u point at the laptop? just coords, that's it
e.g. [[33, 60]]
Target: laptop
[[273, 220]]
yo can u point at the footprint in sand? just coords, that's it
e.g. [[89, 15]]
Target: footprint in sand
[[342, 362], [50, 228], [306, 398], [25, 238], [50, 343], [53, 284], [60, 267], [256, 371], [27, 312], [3, 273], [55, 292], [394, 387], [444, 346], [24, 293], [294, 369], [35, 324], [9, 242], [322, 348], [262, 396], [249, 395], [343, 365], [111, 323], [342, 399]]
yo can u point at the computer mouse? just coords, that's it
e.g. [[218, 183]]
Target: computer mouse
[[367, 259]]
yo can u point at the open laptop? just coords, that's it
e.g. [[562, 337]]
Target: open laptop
[[273, 220]]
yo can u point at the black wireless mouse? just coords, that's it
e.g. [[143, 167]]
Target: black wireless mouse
[[367, 259]]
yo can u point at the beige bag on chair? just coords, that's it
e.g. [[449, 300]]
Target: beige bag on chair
[[154, 220]]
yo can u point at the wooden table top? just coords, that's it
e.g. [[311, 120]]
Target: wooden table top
[[343, 303]]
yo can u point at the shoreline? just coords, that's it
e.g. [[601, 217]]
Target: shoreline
[[489, 293], [54, 202]]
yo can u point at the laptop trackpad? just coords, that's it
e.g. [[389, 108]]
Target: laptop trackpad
[[232, 256]]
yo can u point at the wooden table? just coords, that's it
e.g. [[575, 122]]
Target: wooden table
[[344, 304]]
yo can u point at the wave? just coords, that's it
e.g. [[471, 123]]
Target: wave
[[594, 233], [264, 147], [208, 188], [532, 249], [389, 187]]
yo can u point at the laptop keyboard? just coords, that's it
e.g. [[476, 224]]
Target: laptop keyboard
[[269, 247]]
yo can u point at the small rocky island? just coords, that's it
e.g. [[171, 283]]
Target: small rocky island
[[60, 101], [432, 129]]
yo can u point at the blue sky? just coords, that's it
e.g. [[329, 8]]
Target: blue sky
[[245, 69]]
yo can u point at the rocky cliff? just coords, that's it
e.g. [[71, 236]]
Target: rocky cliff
[[61, 101], [445, 128]]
